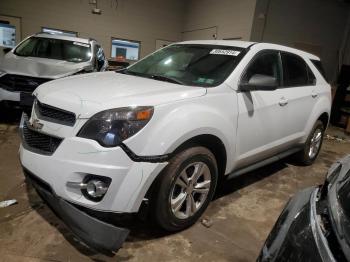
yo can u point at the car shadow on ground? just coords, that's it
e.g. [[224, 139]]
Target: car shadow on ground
[[10, 115], [230, 186]]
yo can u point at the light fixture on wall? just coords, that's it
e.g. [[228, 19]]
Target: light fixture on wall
[[95, 10]]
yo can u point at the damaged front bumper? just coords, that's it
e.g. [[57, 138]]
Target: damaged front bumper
[[297, 234], [94, 232]]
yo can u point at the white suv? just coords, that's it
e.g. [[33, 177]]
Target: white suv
[[162, 132], [44, 57]]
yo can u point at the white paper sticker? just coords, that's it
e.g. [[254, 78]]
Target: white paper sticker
[[224, 52], [81, 44]]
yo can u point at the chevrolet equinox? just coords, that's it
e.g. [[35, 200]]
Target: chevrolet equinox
[[163, 131]]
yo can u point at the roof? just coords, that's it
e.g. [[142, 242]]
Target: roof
[[237, 43], [63, 37], [246, 44]]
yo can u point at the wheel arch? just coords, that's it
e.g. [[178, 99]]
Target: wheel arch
[[209, 141], [324, 118]]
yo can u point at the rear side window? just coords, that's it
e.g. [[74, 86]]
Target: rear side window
[[318, 65], [295, 71]]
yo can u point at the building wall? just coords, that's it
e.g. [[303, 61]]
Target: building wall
[[346, 44], [346, 59], [316, 26], [140, 20], [227, 18]]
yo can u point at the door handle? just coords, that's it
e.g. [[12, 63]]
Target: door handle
[[314, 94], [283, 101]]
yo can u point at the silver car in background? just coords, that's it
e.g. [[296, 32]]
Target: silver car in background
[[44, 57]]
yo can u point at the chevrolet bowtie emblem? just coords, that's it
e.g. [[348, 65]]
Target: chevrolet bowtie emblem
[[36, 124]]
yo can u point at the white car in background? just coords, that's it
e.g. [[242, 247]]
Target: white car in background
[[162, 132], [44, 57]]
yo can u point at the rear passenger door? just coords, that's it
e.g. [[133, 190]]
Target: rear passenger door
[[299, 90]]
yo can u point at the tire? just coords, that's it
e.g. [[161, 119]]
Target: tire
[[178, 203], [305, 156]]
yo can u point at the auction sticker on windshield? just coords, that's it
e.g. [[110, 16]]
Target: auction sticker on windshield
[[224, 52]]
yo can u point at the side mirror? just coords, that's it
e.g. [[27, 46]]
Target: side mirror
[[6, 50], [259, 82]]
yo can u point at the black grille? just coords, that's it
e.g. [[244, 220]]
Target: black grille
[[40, 142], [53, 114], [16, 83]]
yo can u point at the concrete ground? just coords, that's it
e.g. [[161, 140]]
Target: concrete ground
[[242, 214]]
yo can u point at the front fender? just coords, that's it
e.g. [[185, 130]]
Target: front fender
[[174, 124]]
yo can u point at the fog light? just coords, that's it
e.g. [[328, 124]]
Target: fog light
[[93, 187], [96, 188]]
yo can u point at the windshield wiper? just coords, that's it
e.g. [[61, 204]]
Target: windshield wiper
[[167, 79], [155, 77], [127, 72]]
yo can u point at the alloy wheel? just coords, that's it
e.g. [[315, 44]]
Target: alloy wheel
[[315, 143], [190, 190]]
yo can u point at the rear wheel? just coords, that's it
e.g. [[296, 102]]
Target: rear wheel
[[185, 188], [313, 145]]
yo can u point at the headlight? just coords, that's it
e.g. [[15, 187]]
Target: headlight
[[111, 127]]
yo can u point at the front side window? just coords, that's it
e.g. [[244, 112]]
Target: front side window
[[70, 51], [267, 64], [295, 71], [196, 65]]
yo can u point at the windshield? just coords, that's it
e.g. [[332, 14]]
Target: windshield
[[195, 65], [54, 49]]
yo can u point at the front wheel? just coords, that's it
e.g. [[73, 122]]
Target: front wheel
[[313, 145], [185, 188]]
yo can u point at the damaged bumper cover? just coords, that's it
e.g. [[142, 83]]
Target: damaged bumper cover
[[95, 233], [297, 234]]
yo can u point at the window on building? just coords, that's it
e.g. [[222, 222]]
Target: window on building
[[125, 49], [7, 35], [59, 32]]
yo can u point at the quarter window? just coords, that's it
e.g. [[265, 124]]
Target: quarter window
[[320, 68], [266, 63], [295, 71]]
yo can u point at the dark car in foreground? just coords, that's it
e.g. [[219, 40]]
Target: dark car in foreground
[[315, 224]]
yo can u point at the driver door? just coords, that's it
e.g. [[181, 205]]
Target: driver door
[[261, 112]]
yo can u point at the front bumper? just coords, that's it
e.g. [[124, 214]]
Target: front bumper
[[76, 158], [297, 234], [94, 232]]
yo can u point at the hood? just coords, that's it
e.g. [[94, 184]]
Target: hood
[[88, 94], [39, 67]]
